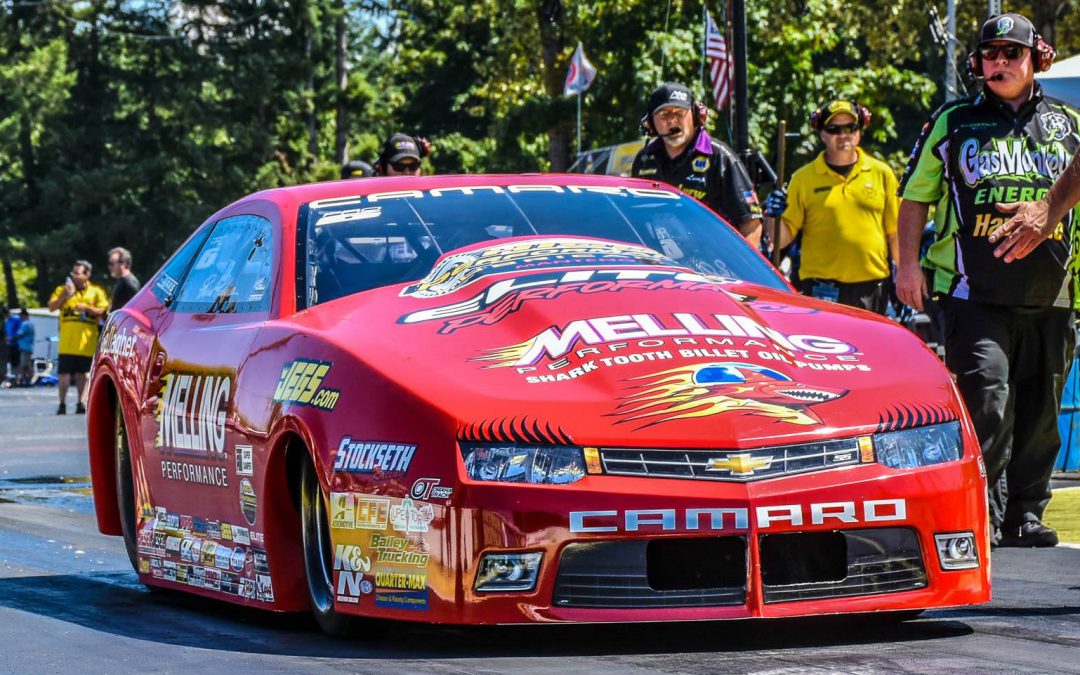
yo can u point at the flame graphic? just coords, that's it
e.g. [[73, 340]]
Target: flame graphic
[[683, 393], [505, 356]]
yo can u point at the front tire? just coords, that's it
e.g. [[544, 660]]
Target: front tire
[[318, 557], [125, 490]]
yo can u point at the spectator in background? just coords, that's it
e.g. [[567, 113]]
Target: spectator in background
[[685, 156], [127, 285], [357, 169], [11, 346], [26, 350], [81, 304], [845, 205], [402, 155]]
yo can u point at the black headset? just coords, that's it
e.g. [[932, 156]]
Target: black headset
[[825, 110], [1042, 57], [423, 148], [701, 113]]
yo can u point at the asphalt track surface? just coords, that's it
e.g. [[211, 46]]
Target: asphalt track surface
[[69, 603]]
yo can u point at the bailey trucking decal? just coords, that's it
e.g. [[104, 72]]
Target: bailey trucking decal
[[737, 519], [1011, 157], [461, 269], [388, 563], [380, 459], [301, 383], [704, 390], [202, 553], [505, 297]]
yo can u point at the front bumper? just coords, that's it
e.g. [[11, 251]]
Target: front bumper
[[618, 549]]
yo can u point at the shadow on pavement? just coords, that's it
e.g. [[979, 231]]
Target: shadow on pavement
[[116, 603]]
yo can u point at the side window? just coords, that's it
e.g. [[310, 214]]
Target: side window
[[168, 279], [232, 273]]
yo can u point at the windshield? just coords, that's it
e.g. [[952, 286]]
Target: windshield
[[354, 244]]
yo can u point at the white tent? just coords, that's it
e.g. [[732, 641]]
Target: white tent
[[1063, 81]]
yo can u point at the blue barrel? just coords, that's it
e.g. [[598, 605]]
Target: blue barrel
[[1069, 422]]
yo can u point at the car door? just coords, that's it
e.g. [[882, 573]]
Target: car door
[[198, 452]]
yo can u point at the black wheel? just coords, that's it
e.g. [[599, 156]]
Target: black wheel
[[318, 557], [125, 490]]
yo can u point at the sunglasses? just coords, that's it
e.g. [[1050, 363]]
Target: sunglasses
[[405, 166], [834, 129], [1010, 52]]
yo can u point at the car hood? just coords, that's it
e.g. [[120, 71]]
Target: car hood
[[639, 353]]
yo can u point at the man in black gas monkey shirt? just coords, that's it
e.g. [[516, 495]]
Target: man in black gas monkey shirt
[[1007, 326], [685, 156]]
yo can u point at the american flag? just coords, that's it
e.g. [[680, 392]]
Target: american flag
[[720, 66]]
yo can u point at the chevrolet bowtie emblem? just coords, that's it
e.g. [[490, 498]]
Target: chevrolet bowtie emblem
[[741, 464]]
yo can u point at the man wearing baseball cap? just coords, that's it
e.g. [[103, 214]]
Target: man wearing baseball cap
[[685, 156], [1008, 327], [401, 155], [844, 204]]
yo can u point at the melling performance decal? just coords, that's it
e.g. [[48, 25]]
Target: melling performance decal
[[461, 269], [588, 345], [301, 383], [191, 413], [704, 390], [505, 297]]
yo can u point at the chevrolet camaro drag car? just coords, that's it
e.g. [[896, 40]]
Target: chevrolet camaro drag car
[[508, 399]]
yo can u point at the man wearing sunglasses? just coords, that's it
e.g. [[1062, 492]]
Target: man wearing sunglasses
[[1007, 326], [401, 156], [844, 204], [684, 155]]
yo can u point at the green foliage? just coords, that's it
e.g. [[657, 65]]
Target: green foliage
[[125, 123]]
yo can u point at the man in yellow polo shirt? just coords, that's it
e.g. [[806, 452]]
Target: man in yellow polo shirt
[[81, 304], [845, 205]]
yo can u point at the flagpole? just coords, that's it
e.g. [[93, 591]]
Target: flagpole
[[579, 123], [704, 46]]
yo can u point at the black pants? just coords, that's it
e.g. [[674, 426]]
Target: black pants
[[868, 295], [1009, 364]]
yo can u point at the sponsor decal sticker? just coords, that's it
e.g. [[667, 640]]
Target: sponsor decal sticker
[[248, 502], [240, 535], [401, 589], [117, 343], [196, 473], [301, 383], [350, 565], [395, 550], [407, 517], [191, 414], [373, 457], [425, 488], [244, 464]]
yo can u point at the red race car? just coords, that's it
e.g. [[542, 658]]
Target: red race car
[[508, 399]]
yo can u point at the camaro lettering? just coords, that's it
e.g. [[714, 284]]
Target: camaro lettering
[[370, 457], [191, 414], [737, 519]]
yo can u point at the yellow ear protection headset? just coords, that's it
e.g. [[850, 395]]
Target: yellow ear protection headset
[[825, 111]]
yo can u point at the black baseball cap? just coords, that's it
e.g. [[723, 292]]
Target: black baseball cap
[[357, 169], [670, 94], [1008, 28], [399, 147]]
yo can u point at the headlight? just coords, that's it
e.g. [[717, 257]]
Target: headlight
[[921, 446], [524, 463]]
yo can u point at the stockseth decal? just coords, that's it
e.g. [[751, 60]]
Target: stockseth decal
[[461, 269], [301, 381], [505, 297], [737, 519], [556, 342], [1011, 157], [704, 390], [374, 457], [191, 414]]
